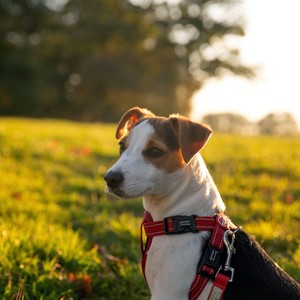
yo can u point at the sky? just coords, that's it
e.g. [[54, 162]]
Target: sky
[[271, 41]]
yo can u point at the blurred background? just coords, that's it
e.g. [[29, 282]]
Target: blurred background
[[92, 60]]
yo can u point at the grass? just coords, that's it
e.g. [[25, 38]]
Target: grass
[[61, 237]]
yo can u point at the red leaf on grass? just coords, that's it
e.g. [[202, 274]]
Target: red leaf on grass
[[16, 195], [71, 277], [82, 284]]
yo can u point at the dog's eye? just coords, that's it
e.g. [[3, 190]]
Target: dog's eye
[[154, 152], [122, 147]]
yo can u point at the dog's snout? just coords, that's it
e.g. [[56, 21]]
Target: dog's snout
[[113, 179]]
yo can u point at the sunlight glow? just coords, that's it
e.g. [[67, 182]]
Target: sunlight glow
[[270, 42]]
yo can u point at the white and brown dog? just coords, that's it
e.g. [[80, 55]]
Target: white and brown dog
[[160, 161]]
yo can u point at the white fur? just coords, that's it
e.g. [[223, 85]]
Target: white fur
[[172, 259]]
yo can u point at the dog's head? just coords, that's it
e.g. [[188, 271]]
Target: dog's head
[[153, 150]]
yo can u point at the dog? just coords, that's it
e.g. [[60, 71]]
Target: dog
[[160, 161]]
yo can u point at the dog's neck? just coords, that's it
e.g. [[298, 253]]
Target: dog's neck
[[192, 191]]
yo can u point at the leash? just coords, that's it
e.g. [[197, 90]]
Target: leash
[[210, 265]]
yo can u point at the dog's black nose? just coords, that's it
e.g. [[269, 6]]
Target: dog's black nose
[[113, 179]]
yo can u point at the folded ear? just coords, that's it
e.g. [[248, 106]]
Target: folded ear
[[128, 120], [192, 136]]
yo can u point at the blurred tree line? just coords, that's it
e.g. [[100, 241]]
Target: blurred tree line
[[91, 60], [279, 124]]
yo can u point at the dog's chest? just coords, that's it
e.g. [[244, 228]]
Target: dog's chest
[[172, 261]]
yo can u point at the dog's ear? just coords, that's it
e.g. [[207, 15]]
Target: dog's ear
[[192, 136], [128, 120]]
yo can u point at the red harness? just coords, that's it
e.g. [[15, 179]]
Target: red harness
[[210, 266]]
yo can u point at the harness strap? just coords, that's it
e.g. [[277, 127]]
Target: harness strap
[[210, 262], [178, 224], [219, 287], [208, 267], [145, 247]]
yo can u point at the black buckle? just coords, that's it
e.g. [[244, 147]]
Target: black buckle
[[211, 258], [181, 224]]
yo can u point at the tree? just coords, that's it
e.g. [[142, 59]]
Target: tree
[[91, 60], [282, 124], [230, 123], [20, 26]]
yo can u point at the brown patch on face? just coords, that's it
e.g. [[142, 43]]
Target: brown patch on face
[[161, 156], [165, 132]]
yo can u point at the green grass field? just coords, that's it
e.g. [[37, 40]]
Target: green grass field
[[61, 237]]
